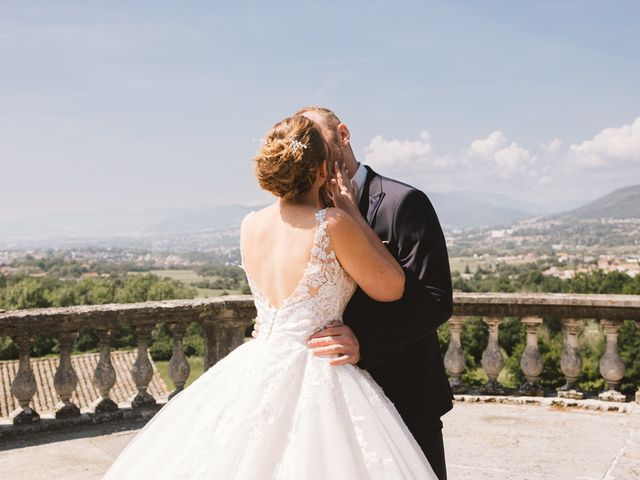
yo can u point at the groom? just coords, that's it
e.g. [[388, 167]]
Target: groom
[[396, 342]]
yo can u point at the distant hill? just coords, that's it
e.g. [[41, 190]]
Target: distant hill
[[105, 224], [465, 211], [455, 210], [537, 207], [621, 203]]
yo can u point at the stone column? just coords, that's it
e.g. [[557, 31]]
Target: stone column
[[611, 366], [178, 365], [24, 385], [492, 359], [531, 361], [454, 360], [104, 375], [223, 327], [142, 371], [65, 379], [570, 362]]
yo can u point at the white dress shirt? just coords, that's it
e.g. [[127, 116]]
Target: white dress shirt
[[359, 178]]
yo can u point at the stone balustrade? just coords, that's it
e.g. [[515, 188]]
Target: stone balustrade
[[531, 309], [224, 321]]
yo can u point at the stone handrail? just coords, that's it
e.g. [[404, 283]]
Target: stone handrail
[[225, 319], [572, 309]]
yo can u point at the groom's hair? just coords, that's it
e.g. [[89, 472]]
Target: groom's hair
[[332, 119]]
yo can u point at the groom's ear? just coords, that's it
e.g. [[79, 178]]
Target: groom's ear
[[344, 135]]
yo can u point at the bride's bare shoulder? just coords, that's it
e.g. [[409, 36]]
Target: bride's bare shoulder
[[339, 222], [256, 217]]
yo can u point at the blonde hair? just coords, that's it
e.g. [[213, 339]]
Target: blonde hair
[[290, 157]]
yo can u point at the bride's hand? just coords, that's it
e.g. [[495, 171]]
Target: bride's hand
[[342, 190]]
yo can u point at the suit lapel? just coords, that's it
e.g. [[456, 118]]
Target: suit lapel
[[372, 195]]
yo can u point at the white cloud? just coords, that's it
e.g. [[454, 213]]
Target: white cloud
[[499, 164], [553, 147], [490, 145], [393, 153], [610, 146], [504, 158]]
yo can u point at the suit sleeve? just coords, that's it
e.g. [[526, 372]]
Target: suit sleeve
[[427, 301]]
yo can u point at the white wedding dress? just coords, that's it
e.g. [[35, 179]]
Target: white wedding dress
[[272, 410]]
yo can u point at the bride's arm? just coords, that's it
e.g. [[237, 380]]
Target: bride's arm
[[363, 255], [358, 248]]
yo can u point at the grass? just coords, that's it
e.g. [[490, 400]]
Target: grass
[[190, 277], [458, 264], [213, 292], [197, 369]]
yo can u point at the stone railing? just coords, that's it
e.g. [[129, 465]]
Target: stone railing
[[225, 319], [572, 309]]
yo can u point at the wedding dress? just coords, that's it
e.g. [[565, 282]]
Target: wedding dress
[[273, 410]]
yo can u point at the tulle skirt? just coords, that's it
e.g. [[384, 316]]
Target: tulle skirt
[[272, 410]]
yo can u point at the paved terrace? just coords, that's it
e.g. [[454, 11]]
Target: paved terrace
[[484, 440], [501, 434]]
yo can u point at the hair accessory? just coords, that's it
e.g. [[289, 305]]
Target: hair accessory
[[296, 144]]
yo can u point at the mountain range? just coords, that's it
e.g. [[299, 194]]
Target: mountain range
[[462, 209], [621, 203]]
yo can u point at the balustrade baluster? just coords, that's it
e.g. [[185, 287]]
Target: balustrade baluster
[[531, 361], [65, 379], [178, 365], [454, 359], [24, 384], [492, 359], [638, 392], [570, 362], [611, 365], [223, 329], [104, 375], [142, 371]]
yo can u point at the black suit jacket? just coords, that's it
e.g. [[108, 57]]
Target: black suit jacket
[[398, 340]]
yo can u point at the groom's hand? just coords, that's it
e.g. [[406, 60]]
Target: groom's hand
[[256, 328], [336, 338]]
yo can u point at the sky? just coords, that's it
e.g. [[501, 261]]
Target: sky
[[155, 104]]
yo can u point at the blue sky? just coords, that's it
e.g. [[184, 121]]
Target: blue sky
[[160, 104]]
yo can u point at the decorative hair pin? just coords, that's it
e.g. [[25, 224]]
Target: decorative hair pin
[[296, 144]]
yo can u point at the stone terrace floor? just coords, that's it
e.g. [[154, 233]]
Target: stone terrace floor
[[483, 441]]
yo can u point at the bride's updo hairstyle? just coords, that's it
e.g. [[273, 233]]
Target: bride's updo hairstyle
[[290, 157]]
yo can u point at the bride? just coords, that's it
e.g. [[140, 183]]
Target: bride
[[271, 409]]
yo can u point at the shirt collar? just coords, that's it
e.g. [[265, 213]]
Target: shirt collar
[[360, 177]]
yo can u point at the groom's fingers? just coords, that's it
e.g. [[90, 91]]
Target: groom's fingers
[[322, 341], [328, 332], [342, 360], [329, 350]]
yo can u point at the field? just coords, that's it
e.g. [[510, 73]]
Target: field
[[459, 264], [190, 277]]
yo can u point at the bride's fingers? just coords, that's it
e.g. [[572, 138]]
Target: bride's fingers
[[339, 173]]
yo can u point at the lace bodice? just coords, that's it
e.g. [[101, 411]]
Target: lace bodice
[[319, 298]]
